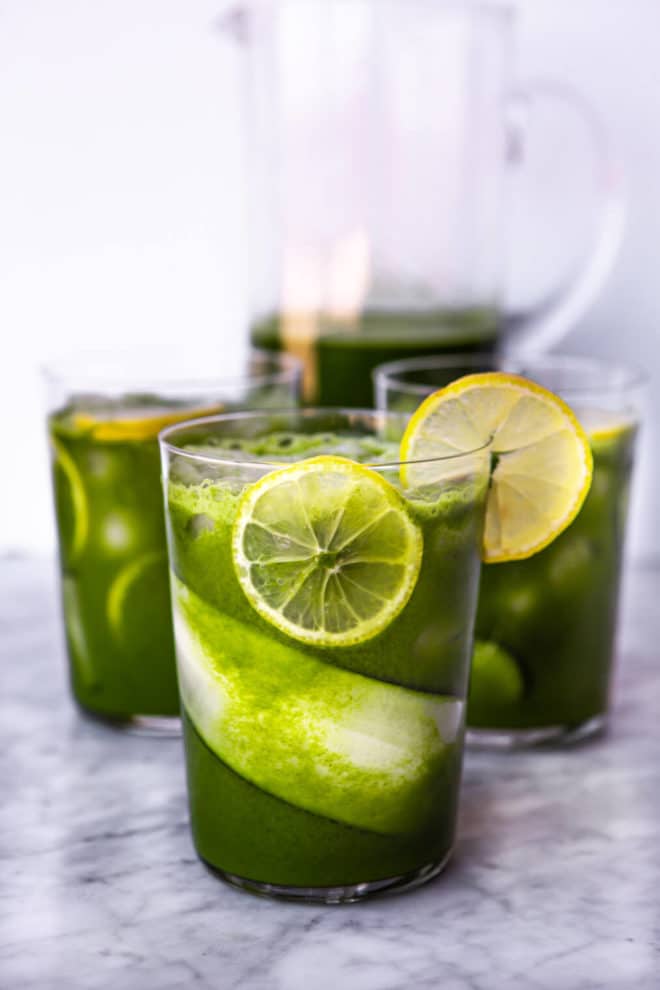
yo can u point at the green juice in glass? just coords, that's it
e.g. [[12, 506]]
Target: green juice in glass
[[316, 770], [111, 529], [546, 626], [110, 518], [339, 359]]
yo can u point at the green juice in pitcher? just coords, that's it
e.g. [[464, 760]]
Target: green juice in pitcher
[[339, 359]]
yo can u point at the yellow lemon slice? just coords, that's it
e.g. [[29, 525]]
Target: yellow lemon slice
[[139, 423], [541, 462], [326, 551], [606, 426]]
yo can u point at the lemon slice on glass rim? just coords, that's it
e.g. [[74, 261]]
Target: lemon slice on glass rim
[[326, 551], [541, 461]]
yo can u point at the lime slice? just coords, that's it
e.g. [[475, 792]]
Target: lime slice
[[138, 423], [540, 456], [79, 652], [495, 680], [70, 502], [138, 600], [326, 551]]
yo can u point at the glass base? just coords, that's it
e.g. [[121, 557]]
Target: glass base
[[551, 735], [348, 894], [154, 725], [166, 726]]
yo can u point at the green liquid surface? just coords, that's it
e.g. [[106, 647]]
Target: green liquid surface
[[549, 622], [339, 360], [312, 766]]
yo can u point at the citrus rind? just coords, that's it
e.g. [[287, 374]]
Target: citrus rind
[[326, 551], [541, 460]]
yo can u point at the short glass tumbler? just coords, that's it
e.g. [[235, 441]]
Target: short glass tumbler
[[105, 412], [545, 631], [324, 608]]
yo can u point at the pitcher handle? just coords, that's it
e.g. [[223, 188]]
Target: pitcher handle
[[540, 327]]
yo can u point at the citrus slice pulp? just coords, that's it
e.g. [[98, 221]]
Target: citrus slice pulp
[[326, 551], [541, 461], [71, 503], [138, 585], [75, 630]]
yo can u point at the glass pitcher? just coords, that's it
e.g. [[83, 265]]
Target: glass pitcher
[[380, 135]]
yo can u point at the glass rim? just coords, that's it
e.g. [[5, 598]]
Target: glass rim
[[70, 371], [302, 413], [628, 376]]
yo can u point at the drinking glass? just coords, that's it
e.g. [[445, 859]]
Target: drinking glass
[[545, 631], [323, 616], [105, 414], [381, 140]]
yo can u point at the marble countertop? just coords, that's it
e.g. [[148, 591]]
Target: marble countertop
[[555, 883]]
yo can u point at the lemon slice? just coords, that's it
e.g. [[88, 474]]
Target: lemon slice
[[606, 426], [541, 462], [326, 551], [139, 423], [70, 502]]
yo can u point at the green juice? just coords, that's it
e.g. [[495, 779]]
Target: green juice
[[311, 767], [339, 359], [115, 590], [113, 550], [546, 626]]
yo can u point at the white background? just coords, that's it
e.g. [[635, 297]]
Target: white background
[[120, 205]]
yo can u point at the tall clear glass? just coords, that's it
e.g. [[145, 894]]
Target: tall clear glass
[[323, 622], [546, 626], [105, 412], [381, 138]]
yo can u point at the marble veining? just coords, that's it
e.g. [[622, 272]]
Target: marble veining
[[555, 884]]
